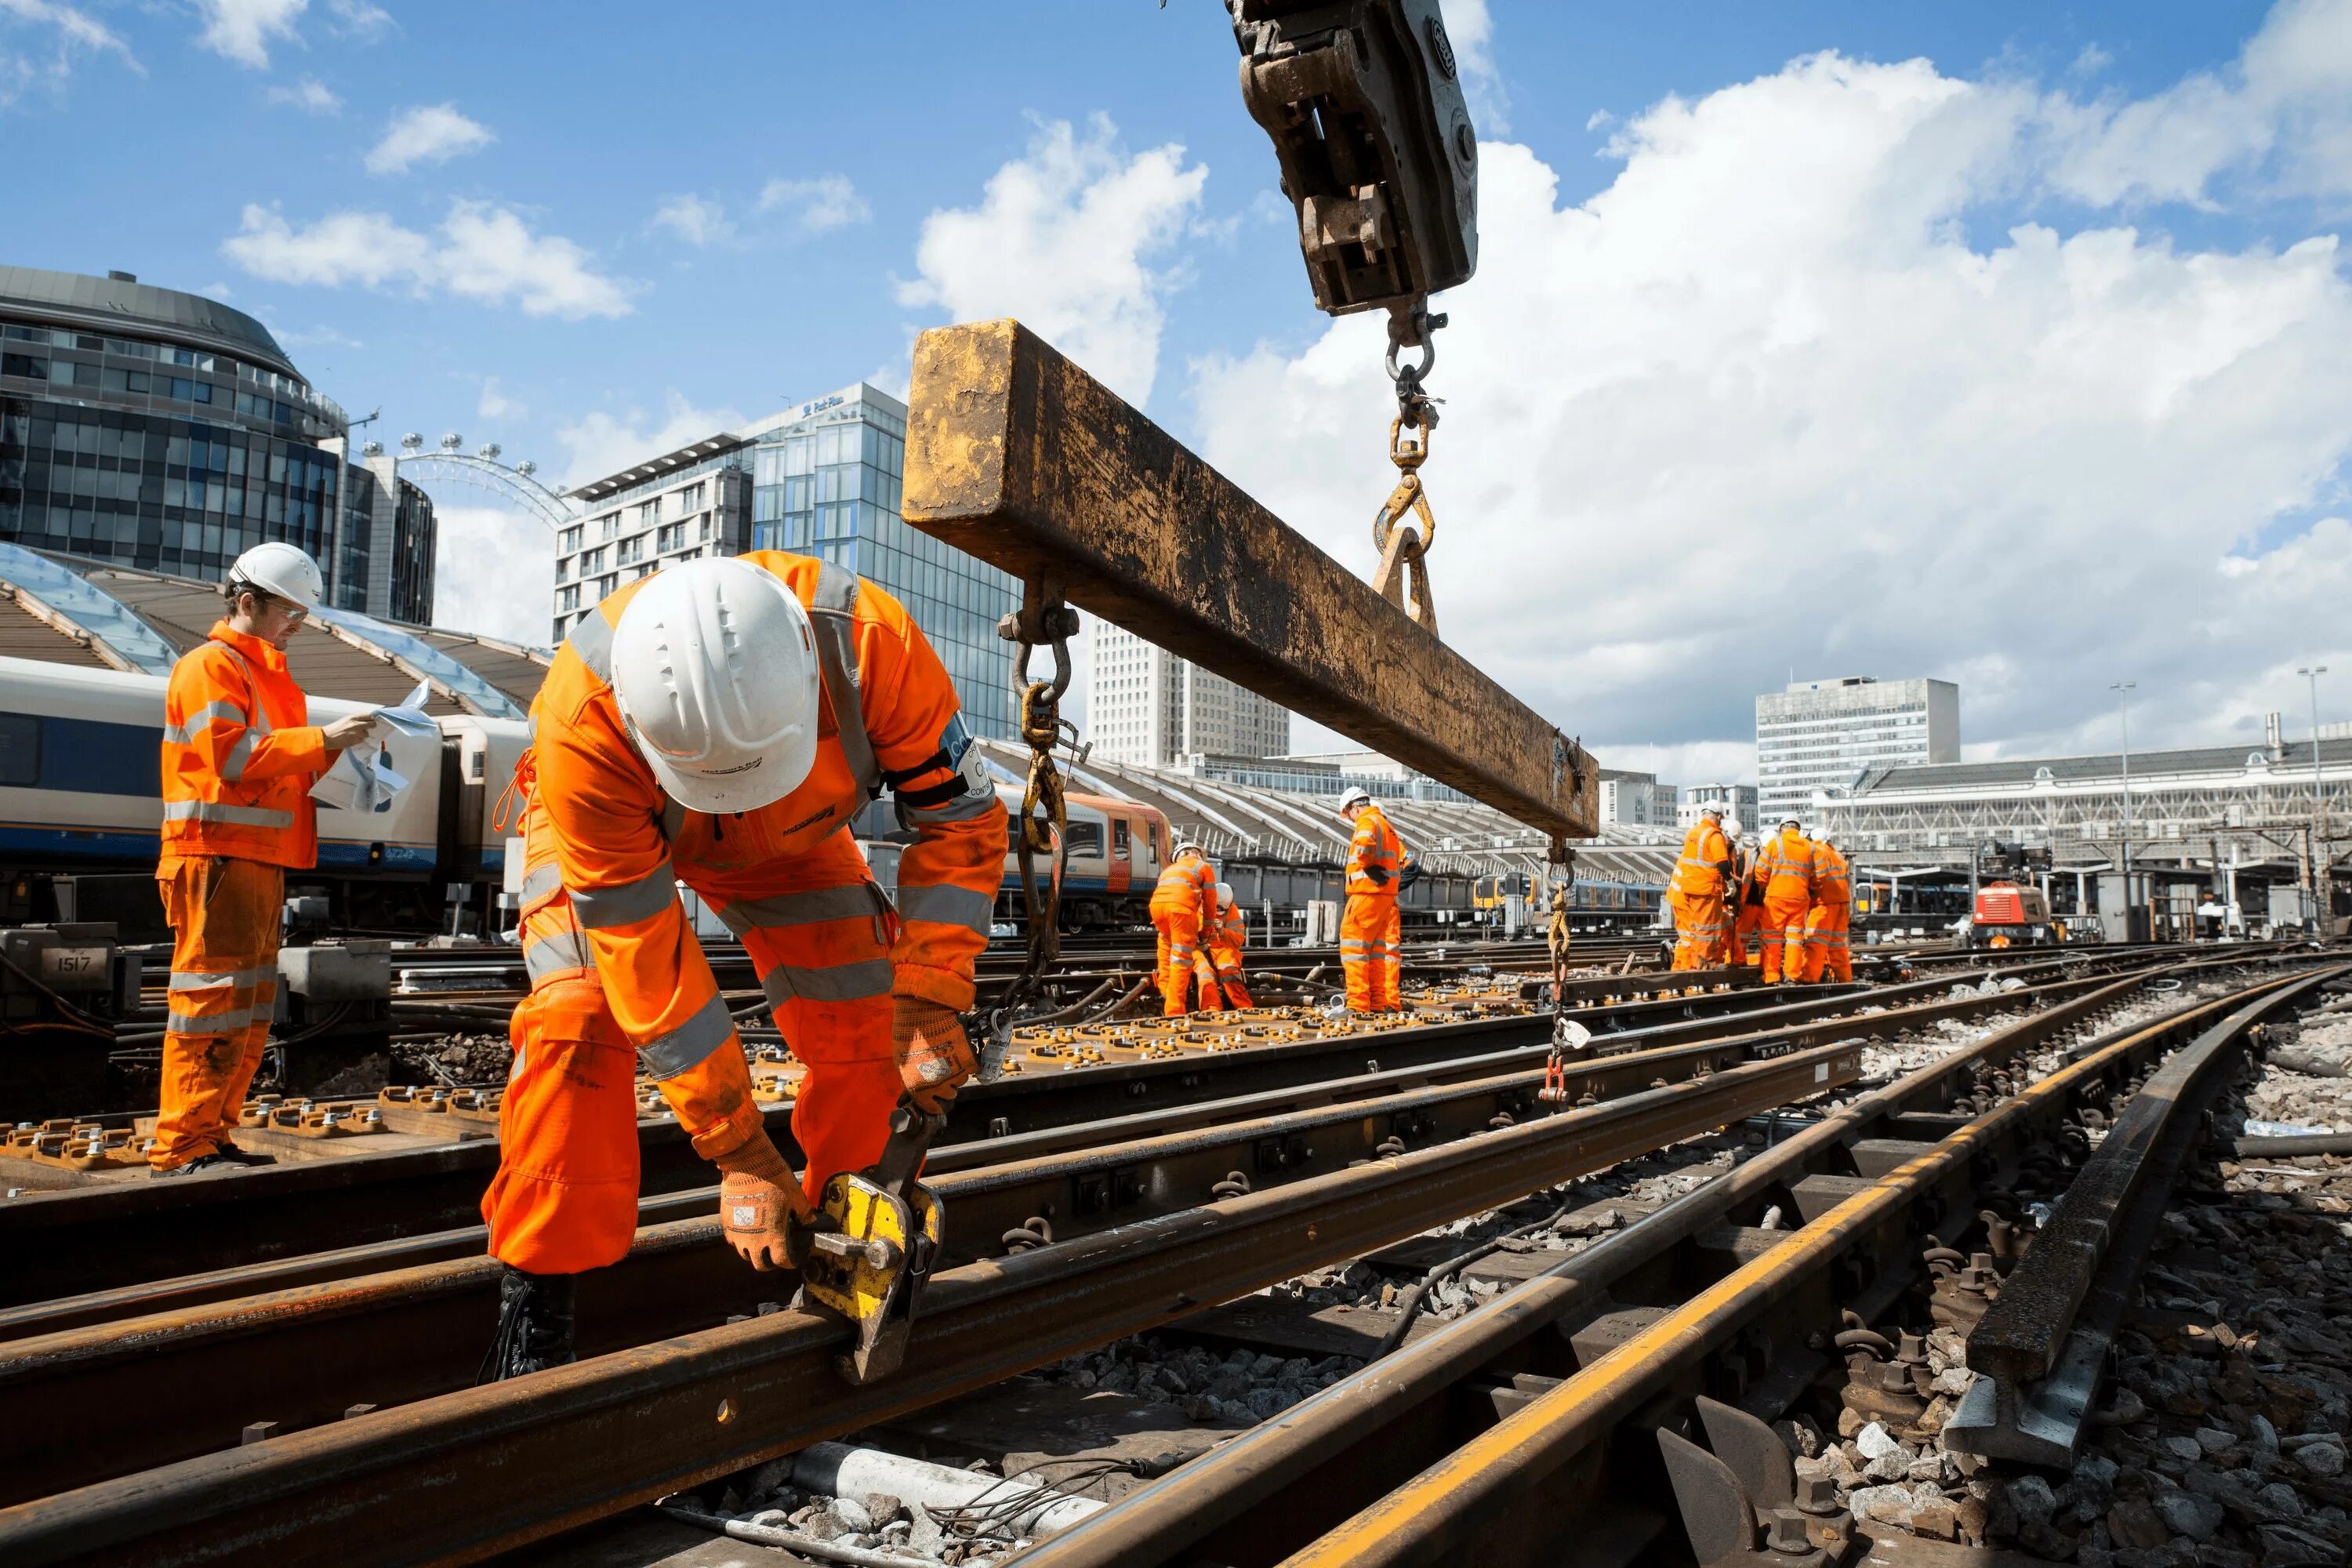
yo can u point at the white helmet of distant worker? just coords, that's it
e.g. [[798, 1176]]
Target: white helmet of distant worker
[[1712, 808], [281, 570], [1731, 828], [715, 672], [1224, 895], [1355, 797]]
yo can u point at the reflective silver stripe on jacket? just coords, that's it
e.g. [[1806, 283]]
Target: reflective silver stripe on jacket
[[219, 1022], [230, 815], [857, 901], [554, 953], [232, 767], [259, 720], [203, 719], [834, 618], [690, 1044], [599, 908], [834, 982], [591, 639], [200, 980], [960, 809], [541, 882], [945, 904]]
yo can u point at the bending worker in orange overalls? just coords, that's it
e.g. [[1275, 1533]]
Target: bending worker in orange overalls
[[1748, 923], [1786, 870], [1826, 923], [1183, 908], [720, 723], [239, 758], [1372, 948], [1226, 943], [1702, 875]]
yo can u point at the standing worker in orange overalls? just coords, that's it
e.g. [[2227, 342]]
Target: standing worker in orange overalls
[[1372, 947], [1225, 944], [1786, 870], [1747, 924], [1183, 908], [1826, 923], [720, 723], [239, 758], [1702, 877]]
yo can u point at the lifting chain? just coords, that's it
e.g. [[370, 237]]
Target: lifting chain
[[1043, 619], [1404, 576], [1570, 1039]]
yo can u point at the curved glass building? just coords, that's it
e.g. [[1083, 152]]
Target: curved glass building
[[167, 432]]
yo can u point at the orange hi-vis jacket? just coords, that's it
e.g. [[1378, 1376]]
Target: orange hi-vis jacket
[[1373, 855], [889, 716], [1706, 851], [239, 756], [1832, 889], [1787, 867], [1188, 886], [1227, 938]]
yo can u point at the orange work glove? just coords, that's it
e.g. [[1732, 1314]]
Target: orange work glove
[[760, 1201], [935, 1056]]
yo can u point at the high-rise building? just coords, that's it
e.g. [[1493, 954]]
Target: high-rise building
[[1145, 705], [1820, 735], [1739, 800], [821, 479], [1635, 800], [166, 431]]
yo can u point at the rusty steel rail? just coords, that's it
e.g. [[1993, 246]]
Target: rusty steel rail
[[518, 1461], [1348, 1444], [1017, 456], [2042, 1350], [1476, 1503]]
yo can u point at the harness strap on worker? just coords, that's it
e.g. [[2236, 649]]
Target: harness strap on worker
[[833, 616]]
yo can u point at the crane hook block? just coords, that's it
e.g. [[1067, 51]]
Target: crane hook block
[[1363, 100]]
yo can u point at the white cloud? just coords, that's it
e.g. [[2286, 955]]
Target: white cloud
[[310, 94], [496, 405], [358, 19], [601, 443], [71, 30], [427, 133], [482, 252], [241, 30], [1764, 402], [818, 206], [494, 573], [1472, 32], [694, 220], [1062, 239], [217, 291]]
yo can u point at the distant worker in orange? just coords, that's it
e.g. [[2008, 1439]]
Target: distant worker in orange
[[1702, 877], [1786, 870], [1372, 932], [240, 757], [720, 723], [1183, 908], [1827, 922], [1748, 925], [1226, 944]]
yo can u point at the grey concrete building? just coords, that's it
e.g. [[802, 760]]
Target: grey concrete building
[[1820, 735]]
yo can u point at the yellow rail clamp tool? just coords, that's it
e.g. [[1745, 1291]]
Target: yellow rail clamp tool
[[883, 1233]]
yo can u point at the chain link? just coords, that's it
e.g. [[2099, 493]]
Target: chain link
[[1404, 576], [1043, 818]]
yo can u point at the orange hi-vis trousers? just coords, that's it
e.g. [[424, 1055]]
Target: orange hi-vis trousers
[[565, 1199], [1746, 948], [1701, 932], [1180, 945], [1827, 954], [224, 916], [1371, 953], [1782, 937]]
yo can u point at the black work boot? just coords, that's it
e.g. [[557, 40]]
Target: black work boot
[[236, 1156], [534, 1325]]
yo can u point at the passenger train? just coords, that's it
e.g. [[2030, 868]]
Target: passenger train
[[80, 803]]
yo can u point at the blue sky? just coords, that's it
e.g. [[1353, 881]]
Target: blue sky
[[576, 232]]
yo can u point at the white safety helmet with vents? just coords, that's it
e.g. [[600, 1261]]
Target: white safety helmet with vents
[[715, 670], [1712, 808], [285, 570], [1354, 798], [1731, 827], [1224, 895]]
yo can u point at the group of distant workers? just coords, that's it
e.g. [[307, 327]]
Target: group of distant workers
[[1785, 907], [1190, 910]]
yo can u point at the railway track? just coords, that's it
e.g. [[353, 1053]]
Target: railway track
[[1149, 1221]]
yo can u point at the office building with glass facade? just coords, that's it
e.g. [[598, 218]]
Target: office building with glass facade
[[819, 478], [168, 432]]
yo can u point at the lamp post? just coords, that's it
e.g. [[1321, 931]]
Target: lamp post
[[2319, 856], [2123, 690]]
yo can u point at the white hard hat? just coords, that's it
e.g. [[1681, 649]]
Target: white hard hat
[[1187, 847], [1712, 808], [1731, 827], [280, 569], [715, 670], [1793, 822], [1355, 797], [1224, 895]]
